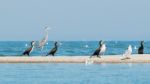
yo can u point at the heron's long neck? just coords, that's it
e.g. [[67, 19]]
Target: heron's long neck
[[46, 35]]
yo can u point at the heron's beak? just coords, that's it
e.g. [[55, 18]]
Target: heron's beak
[[47, 28]]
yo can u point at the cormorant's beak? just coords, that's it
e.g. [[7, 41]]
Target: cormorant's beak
[[55, 42]]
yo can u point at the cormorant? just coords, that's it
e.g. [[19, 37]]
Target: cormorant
[[141, 48], [97, 51], [54, 50], [29, 50]]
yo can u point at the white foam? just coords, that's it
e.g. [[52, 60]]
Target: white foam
[[89, 61], [26, 45], [86, 46]]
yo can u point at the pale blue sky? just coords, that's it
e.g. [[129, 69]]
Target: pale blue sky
[[75, 19]]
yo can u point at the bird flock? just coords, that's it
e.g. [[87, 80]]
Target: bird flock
[[100, 51]]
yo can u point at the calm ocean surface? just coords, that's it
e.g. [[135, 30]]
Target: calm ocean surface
[[71, 48], [74, 74], [66, 73]]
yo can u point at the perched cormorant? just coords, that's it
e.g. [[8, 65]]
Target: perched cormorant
[[54, 50], [141, 48], [97, 51], [29, 50]]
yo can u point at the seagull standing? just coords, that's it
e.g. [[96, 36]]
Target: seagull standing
[[128, 52]]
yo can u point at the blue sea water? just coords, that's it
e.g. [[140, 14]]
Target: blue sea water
[[61, 73], [70, 48], [74, 74]]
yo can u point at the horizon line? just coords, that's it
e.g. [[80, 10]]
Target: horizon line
[[76, 40]]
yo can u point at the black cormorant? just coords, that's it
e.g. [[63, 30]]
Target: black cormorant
[[54, 50], [141, 48], [29, 50], [97, 51]]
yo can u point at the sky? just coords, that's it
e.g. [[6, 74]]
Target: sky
[[24, 20]]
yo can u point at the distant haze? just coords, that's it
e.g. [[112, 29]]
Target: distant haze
[[75, 19]]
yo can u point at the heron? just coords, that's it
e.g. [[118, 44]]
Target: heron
[[45, 39], [43, 42]]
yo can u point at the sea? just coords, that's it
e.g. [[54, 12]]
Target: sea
[[71, 48], [73, 73], [65, 73]]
